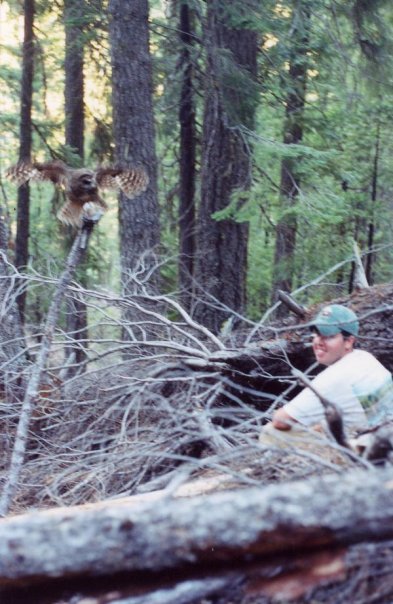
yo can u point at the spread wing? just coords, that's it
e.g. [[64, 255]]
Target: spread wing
[[55, 171], [132, 181]]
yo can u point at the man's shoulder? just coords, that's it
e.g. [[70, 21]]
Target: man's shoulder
[[363, 363], [352, 365], [355, 357]]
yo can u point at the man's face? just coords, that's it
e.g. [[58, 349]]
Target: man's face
[[329, 349]]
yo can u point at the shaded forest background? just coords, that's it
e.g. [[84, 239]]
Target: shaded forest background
[[264, 130]]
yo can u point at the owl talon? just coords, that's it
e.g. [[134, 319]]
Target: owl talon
[[91, 212]]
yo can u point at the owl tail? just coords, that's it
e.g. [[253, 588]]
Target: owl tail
[[71, 213]]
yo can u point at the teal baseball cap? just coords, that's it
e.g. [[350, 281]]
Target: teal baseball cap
[[334, 319]]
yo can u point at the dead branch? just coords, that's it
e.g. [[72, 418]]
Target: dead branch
[[293, 306], [33, 383], [359, 279], [181, 399]]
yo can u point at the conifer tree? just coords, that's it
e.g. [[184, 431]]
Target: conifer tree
[[74, 138], [187, 156], [230, 100], [25, 144], [134, 132]]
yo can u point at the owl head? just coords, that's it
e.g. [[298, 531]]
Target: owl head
[[82, 182]]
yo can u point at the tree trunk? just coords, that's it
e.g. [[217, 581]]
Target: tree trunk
[[74, 138], [226, 167], [12, 344], [134, 135], [187, 160], [74, 83], [371, 224], [283, 266], [23, 204]]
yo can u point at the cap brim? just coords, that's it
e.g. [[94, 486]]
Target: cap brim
[[327, 330]]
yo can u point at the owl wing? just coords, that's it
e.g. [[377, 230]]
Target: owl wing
[[55, 171], [132, 181]]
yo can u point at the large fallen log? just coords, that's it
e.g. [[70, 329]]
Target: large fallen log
[[278, 527]]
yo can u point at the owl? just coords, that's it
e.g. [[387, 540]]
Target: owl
[[81, 185]]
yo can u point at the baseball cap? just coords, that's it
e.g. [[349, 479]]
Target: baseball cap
[[334, 319]]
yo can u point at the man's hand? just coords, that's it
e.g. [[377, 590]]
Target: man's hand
[[282, 420]]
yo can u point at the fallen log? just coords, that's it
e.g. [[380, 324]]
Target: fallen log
[[217, 529], [360, 573]]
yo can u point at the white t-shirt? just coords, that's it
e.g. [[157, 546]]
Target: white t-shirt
[[360, 386]]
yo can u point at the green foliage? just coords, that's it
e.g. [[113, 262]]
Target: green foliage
[[347, 102], [49, 242], [100, 144], [240, 92], [260, 264]]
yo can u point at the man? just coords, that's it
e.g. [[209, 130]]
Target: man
[[360, 386]]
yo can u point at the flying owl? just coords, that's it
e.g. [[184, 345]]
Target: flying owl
[[80, 185]]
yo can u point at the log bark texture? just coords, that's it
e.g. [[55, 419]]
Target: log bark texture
[[177, 533]]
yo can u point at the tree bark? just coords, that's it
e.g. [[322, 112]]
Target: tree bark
[[187, 159], [12, 344], [374, 192], [230, 103], [74, 81], [74, 138], [134, 133], [23, 203], [219, 530]]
